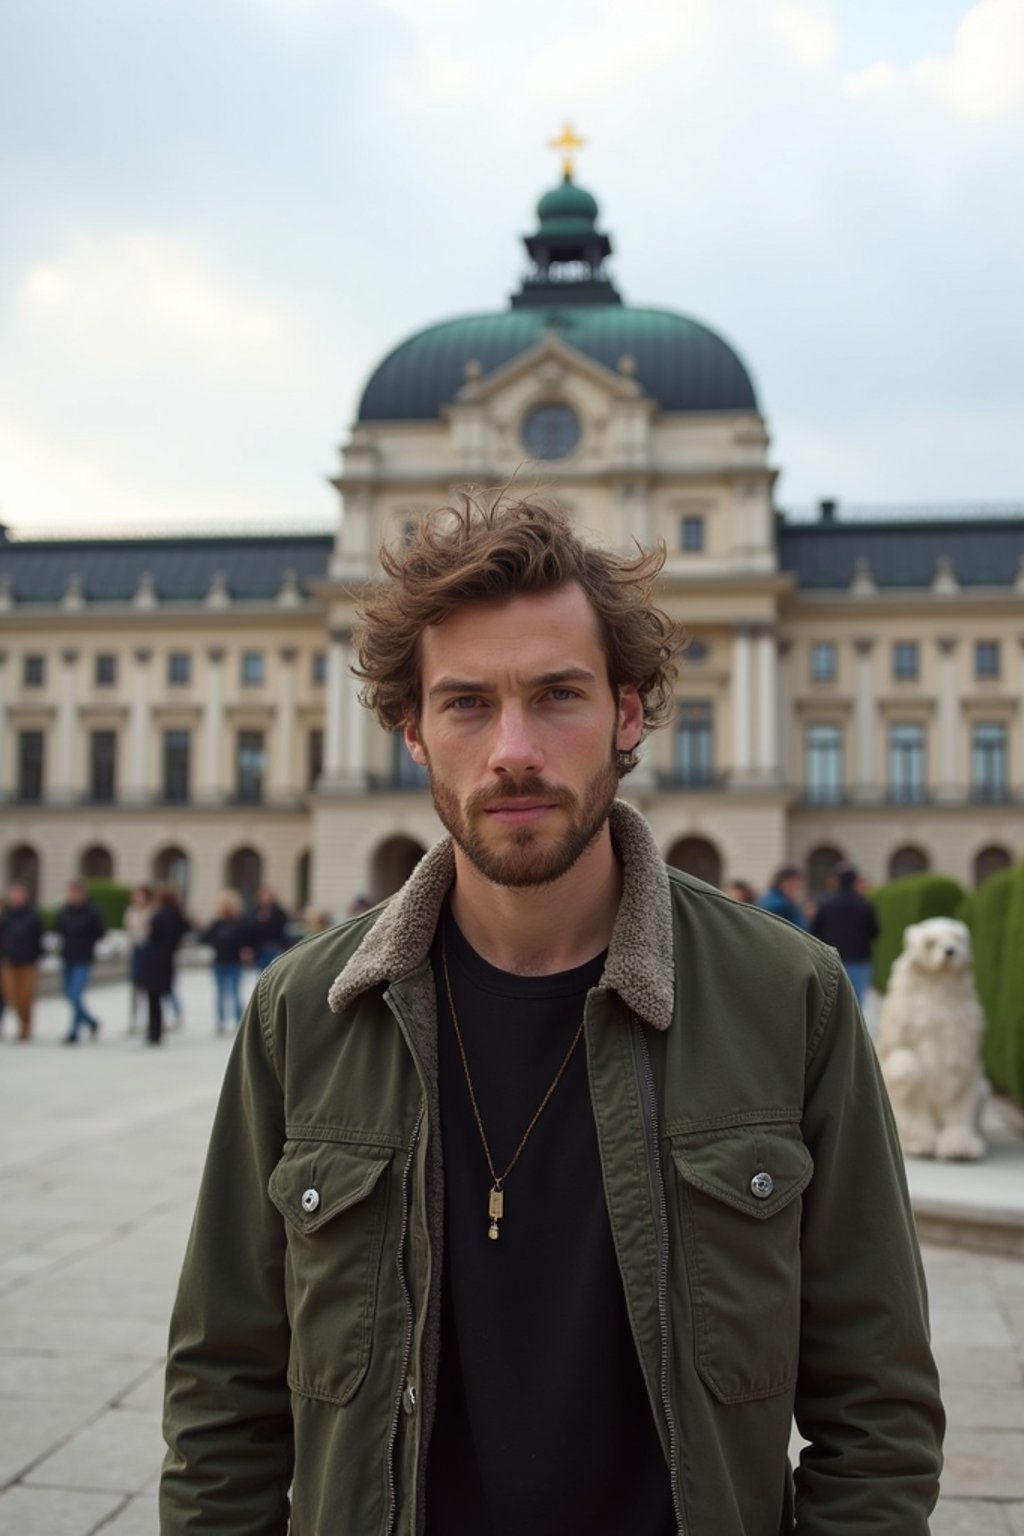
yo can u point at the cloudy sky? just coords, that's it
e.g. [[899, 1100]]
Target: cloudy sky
[[218, 215]]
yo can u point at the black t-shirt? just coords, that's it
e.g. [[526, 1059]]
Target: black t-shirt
[[543, 1424]]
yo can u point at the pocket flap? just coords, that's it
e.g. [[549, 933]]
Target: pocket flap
[[315, 1182], [756, 1169]]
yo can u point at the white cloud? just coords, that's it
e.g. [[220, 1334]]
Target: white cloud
[[631, 38], [809, 29], [980, 79]]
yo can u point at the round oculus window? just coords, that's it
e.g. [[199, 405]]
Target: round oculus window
[[550, 431]]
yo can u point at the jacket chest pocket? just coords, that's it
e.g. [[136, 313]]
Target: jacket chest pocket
[[739, 1192], [334, 1202]]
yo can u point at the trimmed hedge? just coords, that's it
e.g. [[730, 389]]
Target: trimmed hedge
[[1006, 1046], [112, 898], [986, 912], [907, 901]]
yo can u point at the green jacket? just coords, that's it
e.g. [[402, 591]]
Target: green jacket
[[757, 1204]]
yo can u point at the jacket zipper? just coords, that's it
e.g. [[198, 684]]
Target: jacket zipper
[[409, 1326], [649, 1101]]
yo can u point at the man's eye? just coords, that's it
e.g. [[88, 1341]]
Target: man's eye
[[464, 703], [562, 695]]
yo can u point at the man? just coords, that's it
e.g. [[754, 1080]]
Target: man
[[21, 944], [540, 1198], [81, 927], [847, 920], [783, 895], [269, 927]]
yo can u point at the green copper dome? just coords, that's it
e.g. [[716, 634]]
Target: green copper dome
[[681, 364], [567, 210]]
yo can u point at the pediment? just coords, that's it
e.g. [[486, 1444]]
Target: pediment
[[551, 359]]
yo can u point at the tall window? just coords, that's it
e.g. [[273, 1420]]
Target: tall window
[[906, 761], [986, 658], [695, 742], [106, 671], [314, 758], [103, 766], [179, 669], [31, 757], [319, 667], [252, 669], [177, 765], [33, 671], [824, 763], [906, 660], [250, 766], [691, 535], [989, 767], [823, 662]]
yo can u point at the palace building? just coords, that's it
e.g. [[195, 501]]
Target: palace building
[[183, 709]]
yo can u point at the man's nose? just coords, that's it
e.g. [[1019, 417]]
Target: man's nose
[[515, 748]]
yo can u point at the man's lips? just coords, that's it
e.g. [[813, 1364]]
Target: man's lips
[[518, 812]]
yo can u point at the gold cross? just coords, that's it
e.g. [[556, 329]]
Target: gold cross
[[567, 144]]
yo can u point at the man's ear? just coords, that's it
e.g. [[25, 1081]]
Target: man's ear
[[630, 718], [411, 734]]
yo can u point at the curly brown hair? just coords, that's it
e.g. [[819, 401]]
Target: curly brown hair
[[489, 553]]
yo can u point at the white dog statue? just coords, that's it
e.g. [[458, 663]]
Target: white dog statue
[[929, 1038]]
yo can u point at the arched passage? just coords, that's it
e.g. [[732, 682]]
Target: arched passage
[[23, 869], [303, 880], [988, 861], [96, 863], [697, 856], [908, 860], [243, 873], [171, 867], [392, 864], [821, 866]]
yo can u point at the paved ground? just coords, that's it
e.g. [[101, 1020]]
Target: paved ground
[[100, 1150]]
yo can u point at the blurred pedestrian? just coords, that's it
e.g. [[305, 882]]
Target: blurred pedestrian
[[228, 936], [358, 905], [80, 925], [846, 919], [156, 968], [135, 922], [269, 924], [741, 890], [783, 895], [21, 944], [171, 1000]]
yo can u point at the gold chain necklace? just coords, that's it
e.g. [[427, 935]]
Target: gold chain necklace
[[496, 1198]]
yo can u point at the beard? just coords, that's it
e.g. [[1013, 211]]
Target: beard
[[527, 855]]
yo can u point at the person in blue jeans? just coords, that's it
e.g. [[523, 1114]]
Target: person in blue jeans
[[80, 926], [846, 919], [230, 937]]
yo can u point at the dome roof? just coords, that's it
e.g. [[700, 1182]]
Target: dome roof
[[567, 210], [679, 363]]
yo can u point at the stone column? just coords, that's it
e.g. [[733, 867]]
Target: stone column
[[6, 776], [283, 782], [66, 778], [137, 785], [741, 703], [785, 724], [210, 785], [945, 779], [355, 730], [866, 784], [334, 721], [766, 748]]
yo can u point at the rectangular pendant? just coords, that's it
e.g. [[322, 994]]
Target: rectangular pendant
[[496, 1204]]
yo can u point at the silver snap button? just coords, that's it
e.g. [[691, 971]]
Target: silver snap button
[[310, 1201], [762, 1185]]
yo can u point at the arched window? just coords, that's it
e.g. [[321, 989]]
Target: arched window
[[392, 864], [821, 866], [908, 860], [244, 873], [696, 856], [96, 863], [171, 867], [23, 869], [303, 880], [989, 861]]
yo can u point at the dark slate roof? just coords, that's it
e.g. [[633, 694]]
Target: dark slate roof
[[982, 553], [110, 570], [679, 363]]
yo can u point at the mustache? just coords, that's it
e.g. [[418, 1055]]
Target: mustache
[[519, 789]]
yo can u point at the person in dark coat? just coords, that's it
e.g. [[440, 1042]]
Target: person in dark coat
[[269, 924], [21, 944], [847, 920], [167, 927], [229, 936], [80, 925]]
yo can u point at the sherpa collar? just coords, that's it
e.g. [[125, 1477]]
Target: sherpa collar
[[640, 964]]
